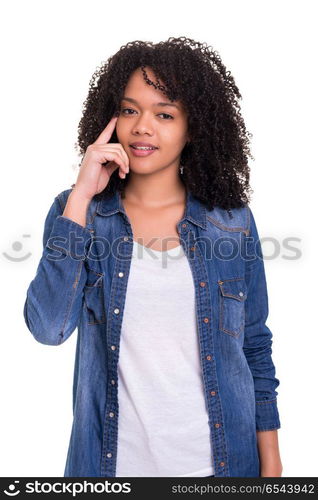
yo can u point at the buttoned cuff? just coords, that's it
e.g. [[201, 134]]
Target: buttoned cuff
[[267, 415], [69, 238]]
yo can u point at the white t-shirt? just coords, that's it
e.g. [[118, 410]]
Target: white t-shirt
[[163, 425]]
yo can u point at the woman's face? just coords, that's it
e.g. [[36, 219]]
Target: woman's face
[[143, 119]]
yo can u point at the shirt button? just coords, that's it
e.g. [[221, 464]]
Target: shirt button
[[192, 248], [184, 225], [113, 381], [206, 320], [125, 238], [116, 311], [209, 357], [202, 283], [109, 455], [217, 425], [111, 414], [241, 294], [222, 464], [120, 274], [213, 393], [113, 347]]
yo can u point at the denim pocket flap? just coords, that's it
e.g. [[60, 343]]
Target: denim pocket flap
[[232, 306], [94, 278], [94, 297], [235, 288]]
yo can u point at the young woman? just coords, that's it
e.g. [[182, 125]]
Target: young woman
[[154, 255]]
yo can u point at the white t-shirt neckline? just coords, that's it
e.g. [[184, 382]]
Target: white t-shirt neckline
[[142, 249]]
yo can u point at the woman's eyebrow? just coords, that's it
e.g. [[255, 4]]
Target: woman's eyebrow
[[130, 99]]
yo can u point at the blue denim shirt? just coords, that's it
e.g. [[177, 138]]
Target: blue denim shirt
[[81, 281]]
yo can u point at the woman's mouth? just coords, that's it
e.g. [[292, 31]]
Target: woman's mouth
[[142, 151]]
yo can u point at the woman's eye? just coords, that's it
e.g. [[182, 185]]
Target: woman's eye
[[125, 109], [169, 116], [164, 114]]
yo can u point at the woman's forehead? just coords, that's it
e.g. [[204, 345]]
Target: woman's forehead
[[138, 91]]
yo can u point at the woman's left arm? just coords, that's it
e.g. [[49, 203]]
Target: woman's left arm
[[268, 449], [257, 348]]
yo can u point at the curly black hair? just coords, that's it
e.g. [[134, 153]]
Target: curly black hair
[[215, 161]]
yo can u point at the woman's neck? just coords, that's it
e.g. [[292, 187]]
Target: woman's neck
[[148, 192]]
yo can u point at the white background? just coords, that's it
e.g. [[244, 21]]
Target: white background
[[49, 52]]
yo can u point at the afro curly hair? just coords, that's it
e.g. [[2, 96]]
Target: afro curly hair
[[215, 161]]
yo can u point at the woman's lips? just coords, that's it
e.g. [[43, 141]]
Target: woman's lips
[[142, 152]]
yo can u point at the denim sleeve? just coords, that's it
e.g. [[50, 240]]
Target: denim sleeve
[[258, 337], [54, 297]]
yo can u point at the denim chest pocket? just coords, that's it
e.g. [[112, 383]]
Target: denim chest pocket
[[94, 297], [233, 294]]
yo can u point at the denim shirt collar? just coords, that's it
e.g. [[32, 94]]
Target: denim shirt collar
[[195, 211]]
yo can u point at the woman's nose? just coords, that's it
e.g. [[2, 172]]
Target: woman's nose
[[143, 125]]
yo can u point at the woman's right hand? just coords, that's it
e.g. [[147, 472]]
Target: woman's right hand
[[93, 177]]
